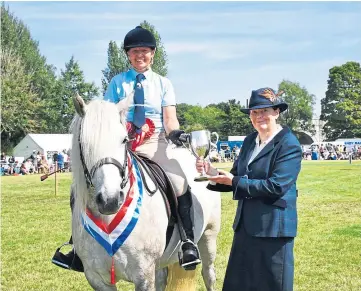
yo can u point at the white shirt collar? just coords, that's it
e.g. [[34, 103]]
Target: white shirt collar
[[259, 147], [147, 74], [279, 128]]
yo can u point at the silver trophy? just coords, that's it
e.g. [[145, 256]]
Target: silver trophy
[[200, 144]]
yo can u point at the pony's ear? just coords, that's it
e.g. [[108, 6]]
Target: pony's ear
[[79, 104], [123, 106]]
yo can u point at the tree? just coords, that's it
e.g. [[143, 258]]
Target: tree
[[118, 60], [18, 101], [232, 121], [160, 63], [298, 116], [197, 117], [341, 107], [71, 81], [17, 43], [182, 108]]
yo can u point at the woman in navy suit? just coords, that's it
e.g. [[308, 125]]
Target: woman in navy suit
[[263, 181]]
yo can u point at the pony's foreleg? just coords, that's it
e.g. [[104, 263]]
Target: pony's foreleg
[[145, 282], [97, 283], [161, 279], [208, 247]]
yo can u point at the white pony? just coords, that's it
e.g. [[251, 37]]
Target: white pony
[[99, 157]]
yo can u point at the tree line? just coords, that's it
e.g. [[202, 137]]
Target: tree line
[[35, 99]]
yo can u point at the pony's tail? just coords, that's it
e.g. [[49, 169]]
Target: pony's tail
[[180, 279]]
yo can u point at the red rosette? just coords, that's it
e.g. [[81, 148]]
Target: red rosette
[[129, 127], [147, 131], [148, 128]]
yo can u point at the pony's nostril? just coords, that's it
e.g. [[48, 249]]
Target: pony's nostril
[[99, 199]]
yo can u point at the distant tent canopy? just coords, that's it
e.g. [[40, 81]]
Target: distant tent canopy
[[46, 144], [303, 137]]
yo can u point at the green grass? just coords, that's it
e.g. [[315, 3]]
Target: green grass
[[34, 222]]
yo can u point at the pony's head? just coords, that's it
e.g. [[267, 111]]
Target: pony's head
[[99, 154]]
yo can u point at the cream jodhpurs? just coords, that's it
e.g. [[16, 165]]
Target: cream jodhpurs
[[158, 150]]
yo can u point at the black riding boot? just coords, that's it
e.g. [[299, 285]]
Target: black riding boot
[[70, 260], [190, 257]]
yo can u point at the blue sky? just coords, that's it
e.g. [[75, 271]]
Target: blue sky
[[217, 50]]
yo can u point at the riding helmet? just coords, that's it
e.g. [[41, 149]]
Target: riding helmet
[[139, 37]]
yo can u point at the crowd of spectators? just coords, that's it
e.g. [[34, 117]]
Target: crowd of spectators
[[37, 163], [224, 154], [323, 151], [328, 151]]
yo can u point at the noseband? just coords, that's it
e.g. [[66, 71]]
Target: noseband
[[105, 161]]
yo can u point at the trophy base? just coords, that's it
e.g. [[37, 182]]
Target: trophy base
[[201, 179]]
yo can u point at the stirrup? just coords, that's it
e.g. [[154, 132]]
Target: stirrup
[[189, 265], [57, 262]]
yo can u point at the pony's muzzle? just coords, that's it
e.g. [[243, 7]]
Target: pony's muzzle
[[109, 205]]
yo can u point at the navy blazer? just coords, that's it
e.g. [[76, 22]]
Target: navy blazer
[[266, 188]]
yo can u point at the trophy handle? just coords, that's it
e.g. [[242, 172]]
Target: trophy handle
[[217, 138]]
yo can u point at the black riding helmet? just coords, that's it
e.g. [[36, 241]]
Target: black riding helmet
[[139, 37]]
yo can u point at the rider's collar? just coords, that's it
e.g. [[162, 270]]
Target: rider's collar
[[147, 73]]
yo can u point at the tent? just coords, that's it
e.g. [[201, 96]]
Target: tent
[[47, 144]]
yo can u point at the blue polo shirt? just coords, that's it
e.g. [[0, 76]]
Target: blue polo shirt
[[158, 93]]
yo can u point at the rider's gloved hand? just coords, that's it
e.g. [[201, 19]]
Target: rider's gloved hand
[[174, 136]]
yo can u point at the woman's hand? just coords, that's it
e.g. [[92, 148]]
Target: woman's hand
[[223, 177]]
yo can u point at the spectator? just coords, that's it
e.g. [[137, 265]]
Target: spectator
[[23, 169], [11, 169], [55, 158], [66, 159], [60, 160], [43, 166], [29, 166], [38, 161]]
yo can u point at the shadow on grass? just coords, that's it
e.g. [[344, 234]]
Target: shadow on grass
[[353, 231]]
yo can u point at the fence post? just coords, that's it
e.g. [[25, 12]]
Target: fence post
[[56, 182]]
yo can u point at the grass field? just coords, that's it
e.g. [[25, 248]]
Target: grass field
[[327, 250]]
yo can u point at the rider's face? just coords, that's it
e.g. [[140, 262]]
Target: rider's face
[[141, 58]]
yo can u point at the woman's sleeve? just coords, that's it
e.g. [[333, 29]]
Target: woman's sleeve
[[169, 95], [284, 174], [112, 93]]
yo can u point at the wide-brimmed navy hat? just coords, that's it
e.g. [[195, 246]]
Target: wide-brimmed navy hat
[[263, 98]]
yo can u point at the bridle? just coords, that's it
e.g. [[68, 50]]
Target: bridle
[[105, 161]]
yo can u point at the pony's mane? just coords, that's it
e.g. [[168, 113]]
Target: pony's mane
[[102, 131]]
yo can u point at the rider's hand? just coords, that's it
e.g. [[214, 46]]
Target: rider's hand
[[174, 136]]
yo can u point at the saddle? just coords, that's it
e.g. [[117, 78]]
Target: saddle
[[163, 183]]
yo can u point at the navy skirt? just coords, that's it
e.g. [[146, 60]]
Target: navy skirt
[[259, 263]]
